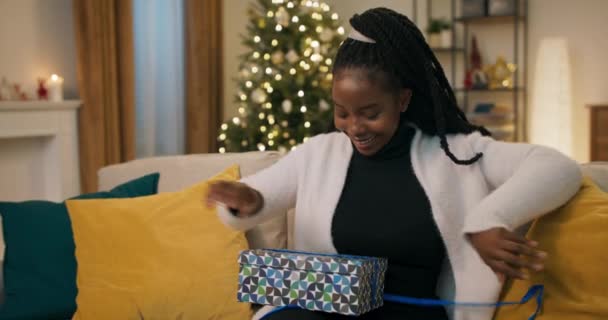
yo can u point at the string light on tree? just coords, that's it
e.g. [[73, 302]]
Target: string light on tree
[[288, 43]]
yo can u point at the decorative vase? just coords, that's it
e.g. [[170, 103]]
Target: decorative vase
[[446, 38], [435, 40]]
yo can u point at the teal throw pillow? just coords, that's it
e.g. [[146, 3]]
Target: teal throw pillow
[[40, 263]]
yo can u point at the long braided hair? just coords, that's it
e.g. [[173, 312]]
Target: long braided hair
[[401, 54]]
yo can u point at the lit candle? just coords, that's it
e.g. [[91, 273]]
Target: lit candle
[[55, 88]]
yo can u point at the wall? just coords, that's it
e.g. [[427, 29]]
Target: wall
[[36, 40], [585, 26], [583, 23], [234, 25]]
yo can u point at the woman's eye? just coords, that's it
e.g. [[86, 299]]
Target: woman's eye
[[373, 116], [342, 115]]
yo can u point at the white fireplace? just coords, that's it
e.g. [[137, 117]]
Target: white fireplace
[[39, 150]]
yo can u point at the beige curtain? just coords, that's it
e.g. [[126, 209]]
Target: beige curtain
[[104, 40], [203, 74]]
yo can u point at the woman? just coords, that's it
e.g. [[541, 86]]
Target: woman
[[408, 178]]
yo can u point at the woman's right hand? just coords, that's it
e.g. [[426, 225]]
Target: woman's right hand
[[238, 197]]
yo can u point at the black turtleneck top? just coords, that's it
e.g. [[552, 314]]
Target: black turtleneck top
[[384, 212]]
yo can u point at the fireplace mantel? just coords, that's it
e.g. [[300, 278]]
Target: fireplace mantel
[[39, 150]]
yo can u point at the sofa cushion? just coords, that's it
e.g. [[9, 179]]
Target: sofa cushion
[[178, 172], [40, 268], [598, 172], [575, 277], [166, 256]]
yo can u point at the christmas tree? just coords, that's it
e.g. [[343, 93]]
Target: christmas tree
[[284, 82]]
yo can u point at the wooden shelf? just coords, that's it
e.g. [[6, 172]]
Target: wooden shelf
[[490, 90], [489, 19], [447, 49]]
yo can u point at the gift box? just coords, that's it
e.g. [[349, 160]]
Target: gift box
[[350, 285]]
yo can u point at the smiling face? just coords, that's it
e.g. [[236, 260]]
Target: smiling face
[[365, 110]]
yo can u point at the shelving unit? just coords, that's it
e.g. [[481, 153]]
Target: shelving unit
[[459, 56]]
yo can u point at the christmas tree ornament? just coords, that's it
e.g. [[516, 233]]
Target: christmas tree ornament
[[258, 96], [323, 105], [277, 57], [326, 35], [245, 73], [292, 56], [287, 106], [282, 17]]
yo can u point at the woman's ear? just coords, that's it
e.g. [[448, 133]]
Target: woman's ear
[[405, 96]]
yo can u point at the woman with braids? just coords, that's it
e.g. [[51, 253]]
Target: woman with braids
[[407, 177]]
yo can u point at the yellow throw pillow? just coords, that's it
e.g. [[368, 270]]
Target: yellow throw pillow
[[576, 282], [165, 256]]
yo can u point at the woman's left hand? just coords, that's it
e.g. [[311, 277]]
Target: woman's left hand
[[508, 253]]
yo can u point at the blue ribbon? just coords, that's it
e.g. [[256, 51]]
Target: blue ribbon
[[534, 291]]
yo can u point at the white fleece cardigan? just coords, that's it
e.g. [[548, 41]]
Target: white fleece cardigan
[[511, 185]]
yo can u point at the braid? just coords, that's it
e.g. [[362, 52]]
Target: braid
[[398, 52]]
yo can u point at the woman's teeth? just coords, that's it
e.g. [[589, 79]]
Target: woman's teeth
[[366, 141]]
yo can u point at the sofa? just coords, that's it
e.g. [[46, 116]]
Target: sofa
[[178, 172]]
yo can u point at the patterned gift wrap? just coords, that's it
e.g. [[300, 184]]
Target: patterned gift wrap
[[350, 285]]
